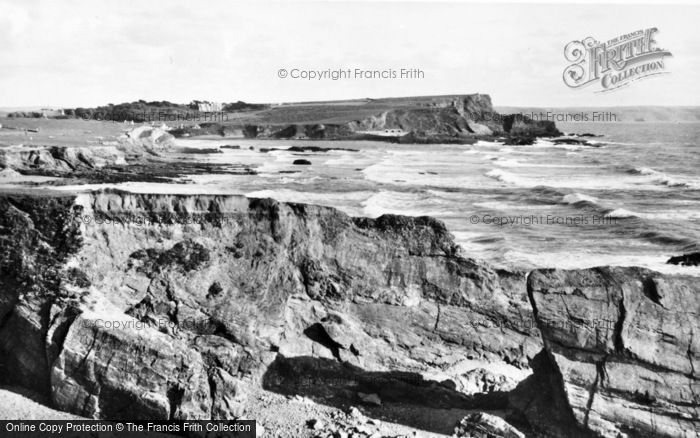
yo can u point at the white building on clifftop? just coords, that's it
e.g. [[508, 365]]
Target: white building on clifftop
[[209, 107]]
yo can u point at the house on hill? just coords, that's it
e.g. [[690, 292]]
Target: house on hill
[[50, 112], [209, 107]]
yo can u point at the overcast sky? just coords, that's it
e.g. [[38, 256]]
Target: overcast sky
[[86, 53]]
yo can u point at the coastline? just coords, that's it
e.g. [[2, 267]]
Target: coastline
[[370, 185], [311, 220], [342, 310]]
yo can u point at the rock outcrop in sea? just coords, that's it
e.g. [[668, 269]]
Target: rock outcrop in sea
[[692, 259], [66, 160], [149, 139], [121, 305], [141, 154], [60, 159]]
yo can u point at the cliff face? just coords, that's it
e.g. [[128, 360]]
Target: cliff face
[[427, 120], [621, 354], [161, 306], [453, 116], [209, 305]]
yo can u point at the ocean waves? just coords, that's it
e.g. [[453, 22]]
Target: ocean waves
[[665, 179], [646, 186]]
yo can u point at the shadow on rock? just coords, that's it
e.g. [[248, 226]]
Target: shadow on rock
[[342, 385]]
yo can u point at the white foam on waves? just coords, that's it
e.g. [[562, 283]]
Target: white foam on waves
[[575, 198]]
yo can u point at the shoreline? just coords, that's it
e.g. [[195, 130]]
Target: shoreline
[[471, 336], [171, 168]]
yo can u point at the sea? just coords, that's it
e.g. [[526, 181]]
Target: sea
[[633, 199]]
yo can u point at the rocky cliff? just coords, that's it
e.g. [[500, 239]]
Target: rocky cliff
[[122, 305], [436, 119], [621, 354]]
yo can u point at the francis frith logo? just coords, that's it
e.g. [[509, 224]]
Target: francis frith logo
[[614, 63]]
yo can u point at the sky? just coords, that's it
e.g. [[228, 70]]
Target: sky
[[72, 53]]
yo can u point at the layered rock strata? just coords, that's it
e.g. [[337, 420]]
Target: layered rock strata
[[164, 306], [121, 305], [621, 354]]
